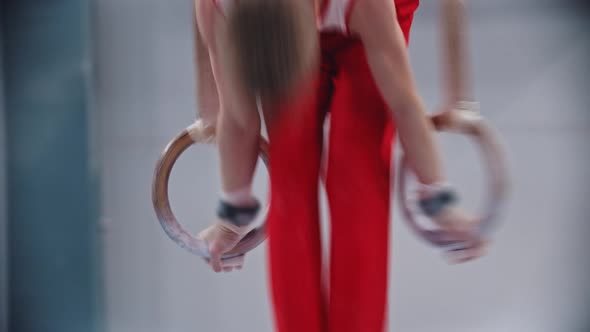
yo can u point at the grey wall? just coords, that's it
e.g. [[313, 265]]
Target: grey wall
[[3, 214], [529, 65], [481, 8]]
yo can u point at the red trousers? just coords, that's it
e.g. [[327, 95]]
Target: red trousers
[[358, 183]]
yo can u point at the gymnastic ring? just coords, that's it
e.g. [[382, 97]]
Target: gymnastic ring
[[197, 133], [470, 123]]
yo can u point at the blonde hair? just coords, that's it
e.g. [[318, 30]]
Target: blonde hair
[[273, 44]]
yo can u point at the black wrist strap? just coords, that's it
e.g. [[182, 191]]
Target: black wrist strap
[[433, 205], [237, 215]]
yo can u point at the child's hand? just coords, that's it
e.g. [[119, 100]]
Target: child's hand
[[220, 238], [463, 229]]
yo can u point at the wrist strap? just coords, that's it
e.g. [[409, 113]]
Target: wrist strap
[[237, 215], [433, 204]]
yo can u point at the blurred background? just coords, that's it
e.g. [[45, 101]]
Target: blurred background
[[91, 92]]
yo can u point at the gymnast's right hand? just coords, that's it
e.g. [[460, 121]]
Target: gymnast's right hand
[[234, 220], [220, 238]]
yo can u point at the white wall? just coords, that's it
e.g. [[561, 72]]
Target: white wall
[[531, 89]]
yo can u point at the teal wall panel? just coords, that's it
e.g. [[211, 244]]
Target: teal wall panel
[[3, 212], [54, 265]]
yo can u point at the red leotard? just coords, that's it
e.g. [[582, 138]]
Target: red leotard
[[358, 182]]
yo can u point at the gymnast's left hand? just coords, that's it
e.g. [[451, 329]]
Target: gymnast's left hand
[[461, 228]]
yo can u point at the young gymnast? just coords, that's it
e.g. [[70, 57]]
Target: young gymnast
[[302, 59]]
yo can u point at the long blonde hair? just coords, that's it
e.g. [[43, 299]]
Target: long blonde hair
[[274, 42]]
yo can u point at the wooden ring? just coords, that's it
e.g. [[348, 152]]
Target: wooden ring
[[197, 133], [470, 123]]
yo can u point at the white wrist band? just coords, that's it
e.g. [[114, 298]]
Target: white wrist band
[[465, 105], [238, 197], [426, 190]]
